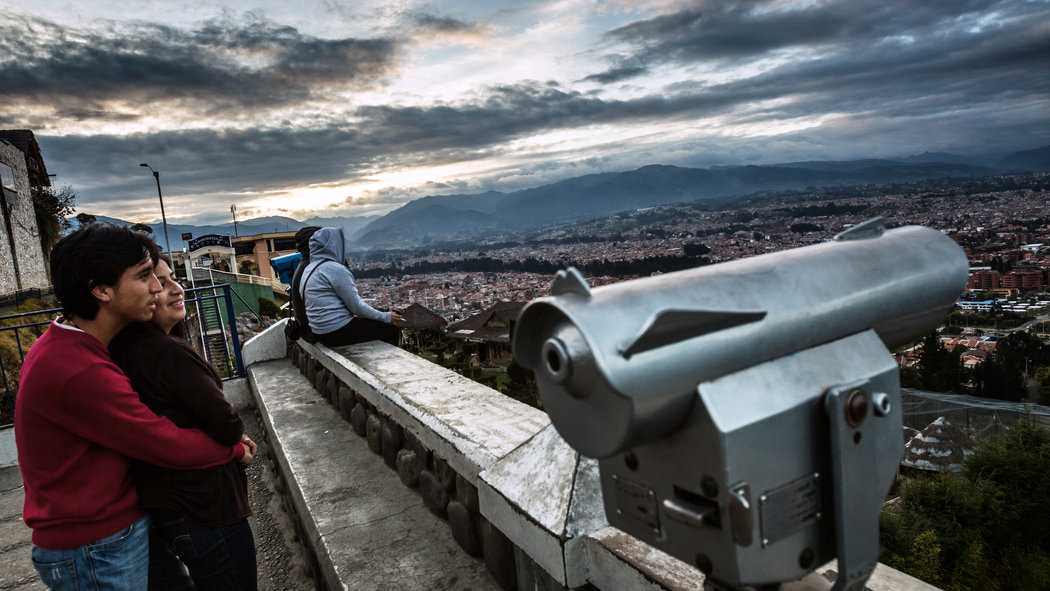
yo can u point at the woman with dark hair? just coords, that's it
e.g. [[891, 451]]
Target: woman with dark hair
[[200, 516]]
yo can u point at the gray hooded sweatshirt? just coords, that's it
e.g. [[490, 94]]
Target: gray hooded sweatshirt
[[330, 294]]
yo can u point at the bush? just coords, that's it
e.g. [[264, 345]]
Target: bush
[[11, 343], [984, 528], [269, 308]]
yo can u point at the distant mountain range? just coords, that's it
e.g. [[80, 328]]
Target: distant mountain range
[[591, 196], [350, 225], [459, 217]]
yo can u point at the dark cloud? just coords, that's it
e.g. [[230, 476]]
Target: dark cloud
[[442, 24], [736, 33], [249, 64], [892, 78]]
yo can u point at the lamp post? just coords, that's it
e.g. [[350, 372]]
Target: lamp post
[[163, 219]]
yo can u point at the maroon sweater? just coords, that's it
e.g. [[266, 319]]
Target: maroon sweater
[[78, 423]]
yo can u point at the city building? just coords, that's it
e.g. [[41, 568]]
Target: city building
[[491, 330], [253, 253], [985, 279], [21, 169], [1026, 280]]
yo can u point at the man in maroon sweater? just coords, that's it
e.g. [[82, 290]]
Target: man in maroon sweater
[[78, 423]]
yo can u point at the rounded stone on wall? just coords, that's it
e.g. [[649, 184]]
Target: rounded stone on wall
[[319, 379], [461, 522], [435, 497], [359, 419], [467, 494], [393, 438], [372, 427], [345, 400], [445, 474], [499, 555], [331, 389], [408, 468], [422, 453]]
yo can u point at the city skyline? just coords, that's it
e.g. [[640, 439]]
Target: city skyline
[[328, 109]]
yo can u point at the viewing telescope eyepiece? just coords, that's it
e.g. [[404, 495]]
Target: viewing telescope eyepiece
[[567, 360]]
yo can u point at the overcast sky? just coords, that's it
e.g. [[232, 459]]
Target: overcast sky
[[353, 107]]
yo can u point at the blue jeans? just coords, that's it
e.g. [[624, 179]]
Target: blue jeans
[[119, 562], [218, 558]]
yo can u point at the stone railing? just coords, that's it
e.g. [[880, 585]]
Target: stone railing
[[514, 494]]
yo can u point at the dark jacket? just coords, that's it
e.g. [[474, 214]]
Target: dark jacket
[[302, 244], [175, 382]]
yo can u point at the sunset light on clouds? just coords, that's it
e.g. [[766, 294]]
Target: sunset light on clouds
[[354, 108]]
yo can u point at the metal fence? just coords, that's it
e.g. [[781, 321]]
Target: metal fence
[[979, 418], [210, 325]]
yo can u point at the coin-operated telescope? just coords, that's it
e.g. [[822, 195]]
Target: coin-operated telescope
[[746, 415]]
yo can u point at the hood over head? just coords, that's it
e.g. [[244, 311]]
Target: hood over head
[[327, 244], [302, 238]]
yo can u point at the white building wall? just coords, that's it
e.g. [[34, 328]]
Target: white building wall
[[31, 266]]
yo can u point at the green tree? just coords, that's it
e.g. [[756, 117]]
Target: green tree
[[924, 560], [954, 372], [932, 364], [140, 227], [984, 528], [972, 571], [52, 207], [86, 219], [1042, 375]]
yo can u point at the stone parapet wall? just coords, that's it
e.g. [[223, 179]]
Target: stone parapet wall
[[512, 492], [32, 271]]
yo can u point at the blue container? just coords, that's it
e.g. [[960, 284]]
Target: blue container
[[284, 266]]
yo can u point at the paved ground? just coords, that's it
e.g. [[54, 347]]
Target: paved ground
[[280, 560], [16, 572]]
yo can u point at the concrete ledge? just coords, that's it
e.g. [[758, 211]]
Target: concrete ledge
[[266, 345], [514, 478], [238, 393], [469, 425], [368, 531]]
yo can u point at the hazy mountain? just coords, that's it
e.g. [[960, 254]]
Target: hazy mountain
[[438, 217], [244, 228], [928, 157], [349, 225], [455, 217], [1037, 159]]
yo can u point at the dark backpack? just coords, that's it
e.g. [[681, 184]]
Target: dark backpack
[[298, 326]]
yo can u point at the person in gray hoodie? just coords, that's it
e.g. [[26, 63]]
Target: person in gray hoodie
[[337, 314]]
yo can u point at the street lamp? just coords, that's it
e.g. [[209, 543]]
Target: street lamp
[[163, 219]]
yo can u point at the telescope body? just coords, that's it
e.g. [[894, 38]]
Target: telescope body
[[746, 415], [619, 366]]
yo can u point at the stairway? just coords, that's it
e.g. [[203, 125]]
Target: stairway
[[213, 332]]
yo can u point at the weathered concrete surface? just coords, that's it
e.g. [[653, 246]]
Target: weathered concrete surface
[[883, 579], [266, 345], [16, 570], [369, 531], [527, 496], [8, 451], [465, 423], [239, 394], [619, 561]]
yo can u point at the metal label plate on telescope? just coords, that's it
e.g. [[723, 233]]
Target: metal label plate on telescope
[[790, 508], [637, 502]]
